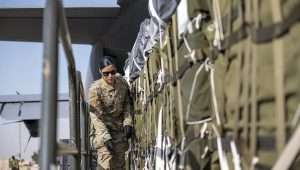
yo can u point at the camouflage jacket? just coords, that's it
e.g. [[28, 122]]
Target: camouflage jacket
[[110, 107]]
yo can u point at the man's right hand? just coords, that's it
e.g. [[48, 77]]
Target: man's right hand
[[108, 144]]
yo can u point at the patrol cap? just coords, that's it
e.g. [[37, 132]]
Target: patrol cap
[[106, 61]]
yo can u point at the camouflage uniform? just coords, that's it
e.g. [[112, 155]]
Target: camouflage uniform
[[13, 164], [110, 111]]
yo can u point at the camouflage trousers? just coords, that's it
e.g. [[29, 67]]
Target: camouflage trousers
[[114, 160]]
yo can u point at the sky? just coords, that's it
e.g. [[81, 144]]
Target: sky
[[21, 65], [20, 70]]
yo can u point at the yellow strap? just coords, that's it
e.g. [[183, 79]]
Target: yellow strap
[[253, 139], [179, 97], [289, 153], [279, 79]]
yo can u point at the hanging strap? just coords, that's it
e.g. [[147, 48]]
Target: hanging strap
[[218, 24], [236, 157], [296, 117], [209, 68], [238, 82], [179, 97], [182, 154], [279, 79], [253, 138], [221, 154], [192, 92], [289, 153], [262, 34]]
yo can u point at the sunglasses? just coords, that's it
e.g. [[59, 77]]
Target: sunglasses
[[105, 74]]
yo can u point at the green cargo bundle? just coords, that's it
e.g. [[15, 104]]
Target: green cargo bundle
[[228, 87]]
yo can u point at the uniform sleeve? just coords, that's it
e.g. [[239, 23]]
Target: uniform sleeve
[[93, 99], [98, 129], [128, 110]]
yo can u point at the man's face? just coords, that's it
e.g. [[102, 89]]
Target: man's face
[[108, 74]]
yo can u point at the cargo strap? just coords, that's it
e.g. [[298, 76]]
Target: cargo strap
[[188, 110], [235, 156], [261, 167], [222, 157], [191, 61], [296, 117], [262, 34], [178, 88], [289, 153], [253, 129], [178, 75], [172, 79], [259, 35], [278, 59], [264, 143], [182, 153]]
